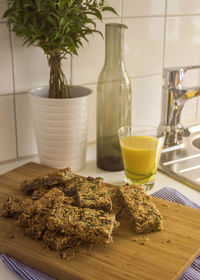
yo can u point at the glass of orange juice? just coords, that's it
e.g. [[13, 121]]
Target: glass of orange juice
[[141, 148]]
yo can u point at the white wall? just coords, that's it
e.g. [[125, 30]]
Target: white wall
[[161, 33]]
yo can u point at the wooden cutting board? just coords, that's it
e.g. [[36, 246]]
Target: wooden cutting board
[[162, 256]]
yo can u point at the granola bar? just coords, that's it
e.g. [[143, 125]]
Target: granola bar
[[52, 180], [69, 187], [116, 200], [58, 242], [86, 224], [142, 211], [34, 219], [93, 193], [13, 207], [38, 193]]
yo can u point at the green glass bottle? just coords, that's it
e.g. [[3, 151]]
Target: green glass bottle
[[113, 100]]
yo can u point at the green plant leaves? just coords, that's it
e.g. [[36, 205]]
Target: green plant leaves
[[59, 27], [96, 13], [38, 3], [110, 9]]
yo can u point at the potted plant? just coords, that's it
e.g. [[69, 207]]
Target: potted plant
[[59, 111]]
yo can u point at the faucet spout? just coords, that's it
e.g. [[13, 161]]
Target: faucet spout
[[191, 93], [180, 97], [174, 96]]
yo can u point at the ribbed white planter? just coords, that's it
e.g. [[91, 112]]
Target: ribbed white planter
[[61, 127]]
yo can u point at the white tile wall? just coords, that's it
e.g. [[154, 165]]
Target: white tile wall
[[182, 41], [161, 33], [116, 4], [31, 66], [25, 133], [138, 8], [144, 45], [87, 65], [146, 100], [189, 110], [8, 149], [181, 7], [6, 81], [3, 6]]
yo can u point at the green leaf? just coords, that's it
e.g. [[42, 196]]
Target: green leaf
[[38, 3], [8, 12], [58, 27], [51, 20], [109, 9], [62, 21], [97, 13], [57, 35], [71, 3]]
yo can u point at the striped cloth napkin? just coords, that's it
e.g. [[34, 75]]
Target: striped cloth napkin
[[192, 273]]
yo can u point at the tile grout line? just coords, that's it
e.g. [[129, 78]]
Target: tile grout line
[[132, 77], [14, 90], [11, 93], [163, 52], [89, 83], [157, 16], [121, 12], [143, 16], [183, 15], [164, 36], [139, 16], [146, 76], [31, 156]]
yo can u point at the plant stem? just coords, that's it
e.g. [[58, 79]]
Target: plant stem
[[58, 87]]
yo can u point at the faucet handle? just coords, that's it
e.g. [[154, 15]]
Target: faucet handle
[[191, 67], [173, 77], [186, 132]]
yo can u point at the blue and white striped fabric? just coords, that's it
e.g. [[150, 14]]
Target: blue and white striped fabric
[[25, 272], [175, 196], [192, 273]]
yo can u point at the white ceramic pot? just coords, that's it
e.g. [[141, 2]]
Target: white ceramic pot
[[61, 127]]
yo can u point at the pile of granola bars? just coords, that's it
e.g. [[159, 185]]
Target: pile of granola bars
[[66, 210]]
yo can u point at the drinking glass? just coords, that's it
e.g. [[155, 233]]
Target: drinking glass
[[141, 148]]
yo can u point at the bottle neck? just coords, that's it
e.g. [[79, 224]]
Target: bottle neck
[[114, 47]]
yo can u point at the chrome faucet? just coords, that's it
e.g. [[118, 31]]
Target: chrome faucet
[[174, 96]]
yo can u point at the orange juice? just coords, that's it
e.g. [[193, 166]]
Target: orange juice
[[140, 157]]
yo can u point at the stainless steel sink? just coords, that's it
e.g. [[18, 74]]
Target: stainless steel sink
[[183, 161], [196, 142]]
